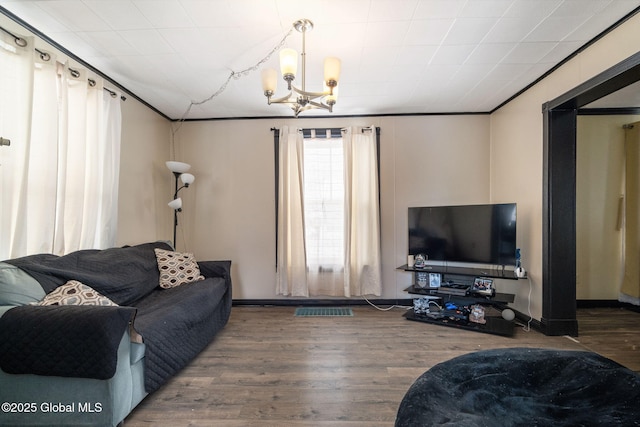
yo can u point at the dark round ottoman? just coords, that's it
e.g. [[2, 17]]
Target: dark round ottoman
[[523, 387]]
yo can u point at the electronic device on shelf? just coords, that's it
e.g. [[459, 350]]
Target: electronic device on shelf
[[481, 234], [457, 289]]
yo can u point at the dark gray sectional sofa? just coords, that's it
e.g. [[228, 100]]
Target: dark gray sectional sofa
[[91, 365]]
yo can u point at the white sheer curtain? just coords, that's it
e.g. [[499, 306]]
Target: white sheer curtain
[[362, 217], [59, 176], [358, 273], [17, 65], [291, 277], [89, 163]]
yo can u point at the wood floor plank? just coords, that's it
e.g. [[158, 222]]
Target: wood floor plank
[[269, 368], [613, 333]]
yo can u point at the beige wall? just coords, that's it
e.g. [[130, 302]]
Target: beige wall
[[230, 210], [600, 184], [516, 148], [146, 185]]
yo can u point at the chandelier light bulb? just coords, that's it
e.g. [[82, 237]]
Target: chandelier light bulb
[[331, 70], [288, 63], [332, 98], [269, 81]]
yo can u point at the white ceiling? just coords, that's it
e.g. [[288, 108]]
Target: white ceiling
[[398, 56]]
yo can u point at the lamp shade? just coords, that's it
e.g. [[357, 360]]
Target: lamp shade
[[175, 204], [288, 62], [187, 178], [269, 80], [331, 69], [178, 167]]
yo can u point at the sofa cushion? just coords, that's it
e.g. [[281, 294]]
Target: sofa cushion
[[178, 323], [136, 352], [17, 287], [75, 293], [177, 268]]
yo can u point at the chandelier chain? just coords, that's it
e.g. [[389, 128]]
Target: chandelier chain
[[234, 75]]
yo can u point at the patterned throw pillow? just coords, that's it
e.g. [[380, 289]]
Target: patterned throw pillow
[[75, 293], [177, 268]]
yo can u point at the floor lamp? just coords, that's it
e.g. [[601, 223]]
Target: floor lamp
[[179, 170]]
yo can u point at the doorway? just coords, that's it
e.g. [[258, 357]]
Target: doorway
[[600, 206], [559, 195]]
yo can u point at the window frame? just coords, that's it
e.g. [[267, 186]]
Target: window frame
[[307, 133]]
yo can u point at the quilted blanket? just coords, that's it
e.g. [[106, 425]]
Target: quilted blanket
[[178, 323], [66, 341], [124, 275]]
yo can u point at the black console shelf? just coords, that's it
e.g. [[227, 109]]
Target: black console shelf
[[497, 299], [495, 324], [465, 271]]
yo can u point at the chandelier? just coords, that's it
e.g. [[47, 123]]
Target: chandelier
[[299, 98]]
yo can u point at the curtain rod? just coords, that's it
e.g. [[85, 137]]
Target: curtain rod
[[17, 39], [320, 133], [45, 56], [320, 130]]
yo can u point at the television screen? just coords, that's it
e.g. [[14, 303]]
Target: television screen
[[482, 234]]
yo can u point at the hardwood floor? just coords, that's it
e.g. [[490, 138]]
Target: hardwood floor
[[269, 368], [613, 333]]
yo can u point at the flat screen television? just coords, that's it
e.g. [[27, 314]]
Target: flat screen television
[[479, 234]]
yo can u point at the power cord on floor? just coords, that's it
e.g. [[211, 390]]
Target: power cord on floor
[[385, 309]]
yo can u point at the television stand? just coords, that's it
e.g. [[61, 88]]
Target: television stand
[[492, 304], [494, 325]]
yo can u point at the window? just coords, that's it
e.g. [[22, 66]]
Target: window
[[324, 203], [328, 236]]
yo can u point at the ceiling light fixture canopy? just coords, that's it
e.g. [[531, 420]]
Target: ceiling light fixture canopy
[[299, 98]]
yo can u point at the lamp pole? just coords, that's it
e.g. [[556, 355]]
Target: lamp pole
[[179, 170], [175, 211]]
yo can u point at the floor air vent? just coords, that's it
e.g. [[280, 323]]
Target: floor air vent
[[323, 312]]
